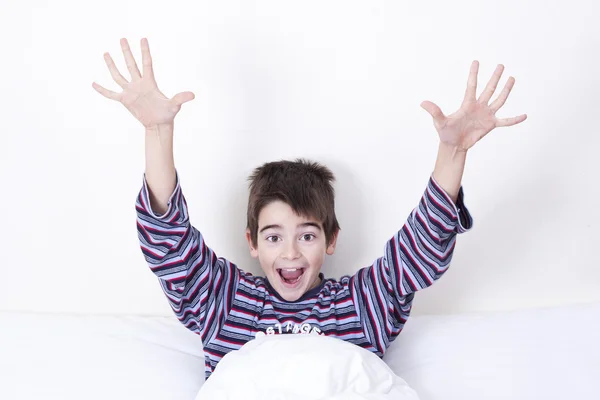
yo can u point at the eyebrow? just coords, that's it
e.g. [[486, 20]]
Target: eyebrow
[[304, 225]]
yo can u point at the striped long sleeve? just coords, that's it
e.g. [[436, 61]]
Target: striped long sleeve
[[197, 284], [228, 307], [414, 258]]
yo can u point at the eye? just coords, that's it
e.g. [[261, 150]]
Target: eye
[[307, 237], [272, 239]]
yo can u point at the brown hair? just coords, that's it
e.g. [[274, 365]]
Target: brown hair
[[304, 185]]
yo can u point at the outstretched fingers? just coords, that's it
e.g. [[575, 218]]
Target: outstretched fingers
[[433, 110], [106, 93], [181, 98], [114, 72], [146, 59], [499, 102], [471, 91], [129, 60], [490, 88], [511, 121]]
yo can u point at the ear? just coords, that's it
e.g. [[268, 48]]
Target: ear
[[331, 248], [253, 250]]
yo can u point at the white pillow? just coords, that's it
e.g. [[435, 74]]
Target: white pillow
[[549, 353], [303, 366]]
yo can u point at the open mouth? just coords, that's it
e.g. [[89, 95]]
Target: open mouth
[[291, 277]]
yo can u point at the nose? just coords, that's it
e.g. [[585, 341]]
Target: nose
[[290, 251]]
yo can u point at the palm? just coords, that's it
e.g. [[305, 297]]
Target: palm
[[141, 95], [466, 126], [148, 104], [475, 118]]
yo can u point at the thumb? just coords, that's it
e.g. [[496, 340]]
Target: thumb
[[432, 109], [181, 98]]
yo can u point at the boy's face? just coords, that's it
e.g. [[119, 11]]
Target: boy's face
[[290, 249]]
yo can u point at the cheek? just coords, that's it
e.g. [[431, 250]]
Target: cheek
[[315, 255], [267, 255]]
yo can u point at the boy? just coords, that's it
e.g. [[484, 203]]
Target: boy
[[291, 226]]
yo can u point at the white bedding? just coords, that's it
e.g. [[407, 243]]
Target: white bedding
[[547, 354], [75, 357], [303, 367]]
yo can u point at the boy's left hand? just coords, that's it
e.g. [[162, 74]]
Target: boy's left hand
[[475, 118]]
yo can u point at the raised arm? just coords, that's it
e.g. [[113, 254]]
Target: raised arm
[[196, 283], [156, 112], [421, 251], [460, 131]]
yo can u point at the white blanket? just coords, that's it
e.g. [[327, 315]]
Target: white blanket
[[547, 353], [303, 367]]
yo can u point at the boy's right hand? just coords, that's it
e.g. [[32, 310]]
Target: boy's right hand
[[141, 96]]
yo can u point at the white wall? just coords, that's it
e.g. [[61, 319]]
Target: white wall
[[336, 81]]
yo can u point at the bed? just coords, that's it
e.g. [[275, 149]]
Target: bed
[[546, 353]]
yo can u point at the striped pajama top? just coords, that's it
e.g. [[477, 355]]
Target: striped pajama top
[[228, 307]]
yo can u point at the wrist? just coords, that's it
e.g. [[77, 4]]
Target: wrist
[[160, 129], [451, 152], [449, 167]]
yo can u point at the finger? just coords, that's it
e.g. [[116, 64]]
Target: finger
[[489, 90], [511, 121], [433, 110], [471, 91], [181, 98], [114, 72], [146, 59], [499, 102], [129, 60], [106, 93]]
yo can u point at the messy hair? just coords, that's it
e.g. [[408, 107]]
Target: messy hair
[[306, 186]]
